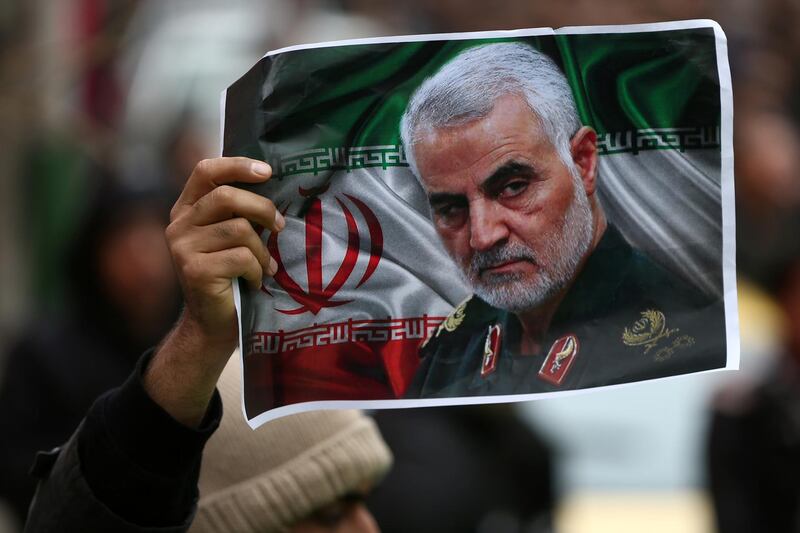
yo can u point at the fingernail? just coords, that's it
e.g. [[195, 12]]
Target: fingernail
[[273, 266], [280, 222], [260, 168]]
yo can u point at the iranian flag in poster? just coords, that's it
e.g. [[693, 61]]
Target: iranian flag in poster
[[363, 279]]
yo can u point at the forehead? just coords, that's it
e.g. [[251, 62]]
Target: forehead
[[511, 131]]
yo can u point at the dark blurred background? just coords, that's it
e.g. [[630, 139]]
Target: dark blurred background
[[105, 107]]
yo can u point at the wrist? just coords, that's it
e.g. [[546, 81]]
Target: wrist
[[184, 371], [192, 337]]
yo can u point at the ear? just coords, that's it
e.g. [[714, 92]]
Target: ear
[[583, 146]]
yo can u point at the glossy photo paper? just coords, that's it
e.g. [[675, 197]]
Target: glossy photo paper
[[487, 217]]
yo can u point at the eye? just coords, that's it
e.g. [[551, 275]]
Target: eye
[[513, 188], [450, 214], [447, 210]]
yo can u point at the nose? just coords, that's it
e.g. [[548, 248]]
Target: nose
[[487, 226]]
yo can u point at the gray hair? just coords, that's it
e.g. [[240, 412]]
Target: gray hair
[[467, 87]]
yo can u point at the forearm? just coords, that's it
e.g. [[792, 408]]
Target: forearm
[[182, 376]]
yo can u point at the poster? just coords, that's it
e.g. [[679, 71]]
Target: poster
[[491, 216]]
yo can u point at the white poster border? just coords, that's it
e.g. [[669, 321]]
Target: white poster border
[[727, 201]]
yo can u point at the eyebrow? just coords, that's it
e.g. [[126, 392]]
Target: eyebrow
[[439, 198], [511, 168]]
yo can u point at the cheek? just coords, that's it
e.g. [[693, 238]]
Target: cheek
[[455, 241], [537, 225], [545, 210]]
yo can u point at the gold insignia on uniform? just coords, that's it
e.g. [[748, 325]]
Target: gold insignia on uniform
[[684, 341], [567, 351], [453, 320], [648, 330]]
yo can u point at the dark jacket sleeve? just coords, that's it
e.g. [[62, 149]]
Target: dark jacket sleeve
[[28, 398], [128, 467]]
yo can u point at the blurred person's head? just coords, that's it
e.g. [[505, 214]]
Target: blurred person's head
[[186, 144], [768, 162], [119, 268], [767, 146], [787, 291], [495, 139], [304, 473]]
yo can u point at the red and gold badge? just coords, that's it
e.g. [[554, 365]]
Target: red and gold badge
[[491, 350], [559, 359]]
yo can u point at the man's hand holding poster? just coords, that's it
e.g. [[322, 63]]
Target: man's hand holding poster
[[488, 217]]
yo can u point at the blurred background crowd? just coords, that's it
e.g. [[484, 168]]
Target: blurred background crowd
[[105, 107]]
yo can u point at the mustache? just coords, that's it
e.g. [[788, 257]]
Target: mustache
[[480, 261]]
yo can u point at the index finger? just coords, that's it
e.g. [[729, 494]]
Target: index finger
[[211, 173]]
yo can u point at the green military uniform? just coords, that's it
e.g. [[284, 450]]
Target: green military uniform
[[624, 319]]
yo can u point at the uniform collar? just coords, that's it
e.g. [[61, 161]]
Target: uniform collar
[[593, 291]]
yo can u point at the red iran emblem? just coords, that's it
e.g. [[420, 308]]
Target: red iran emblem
[[559, 359], [318, 297]]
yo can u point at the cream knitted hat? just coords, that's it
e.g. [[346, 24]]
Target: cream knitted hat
[[266, 480]]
